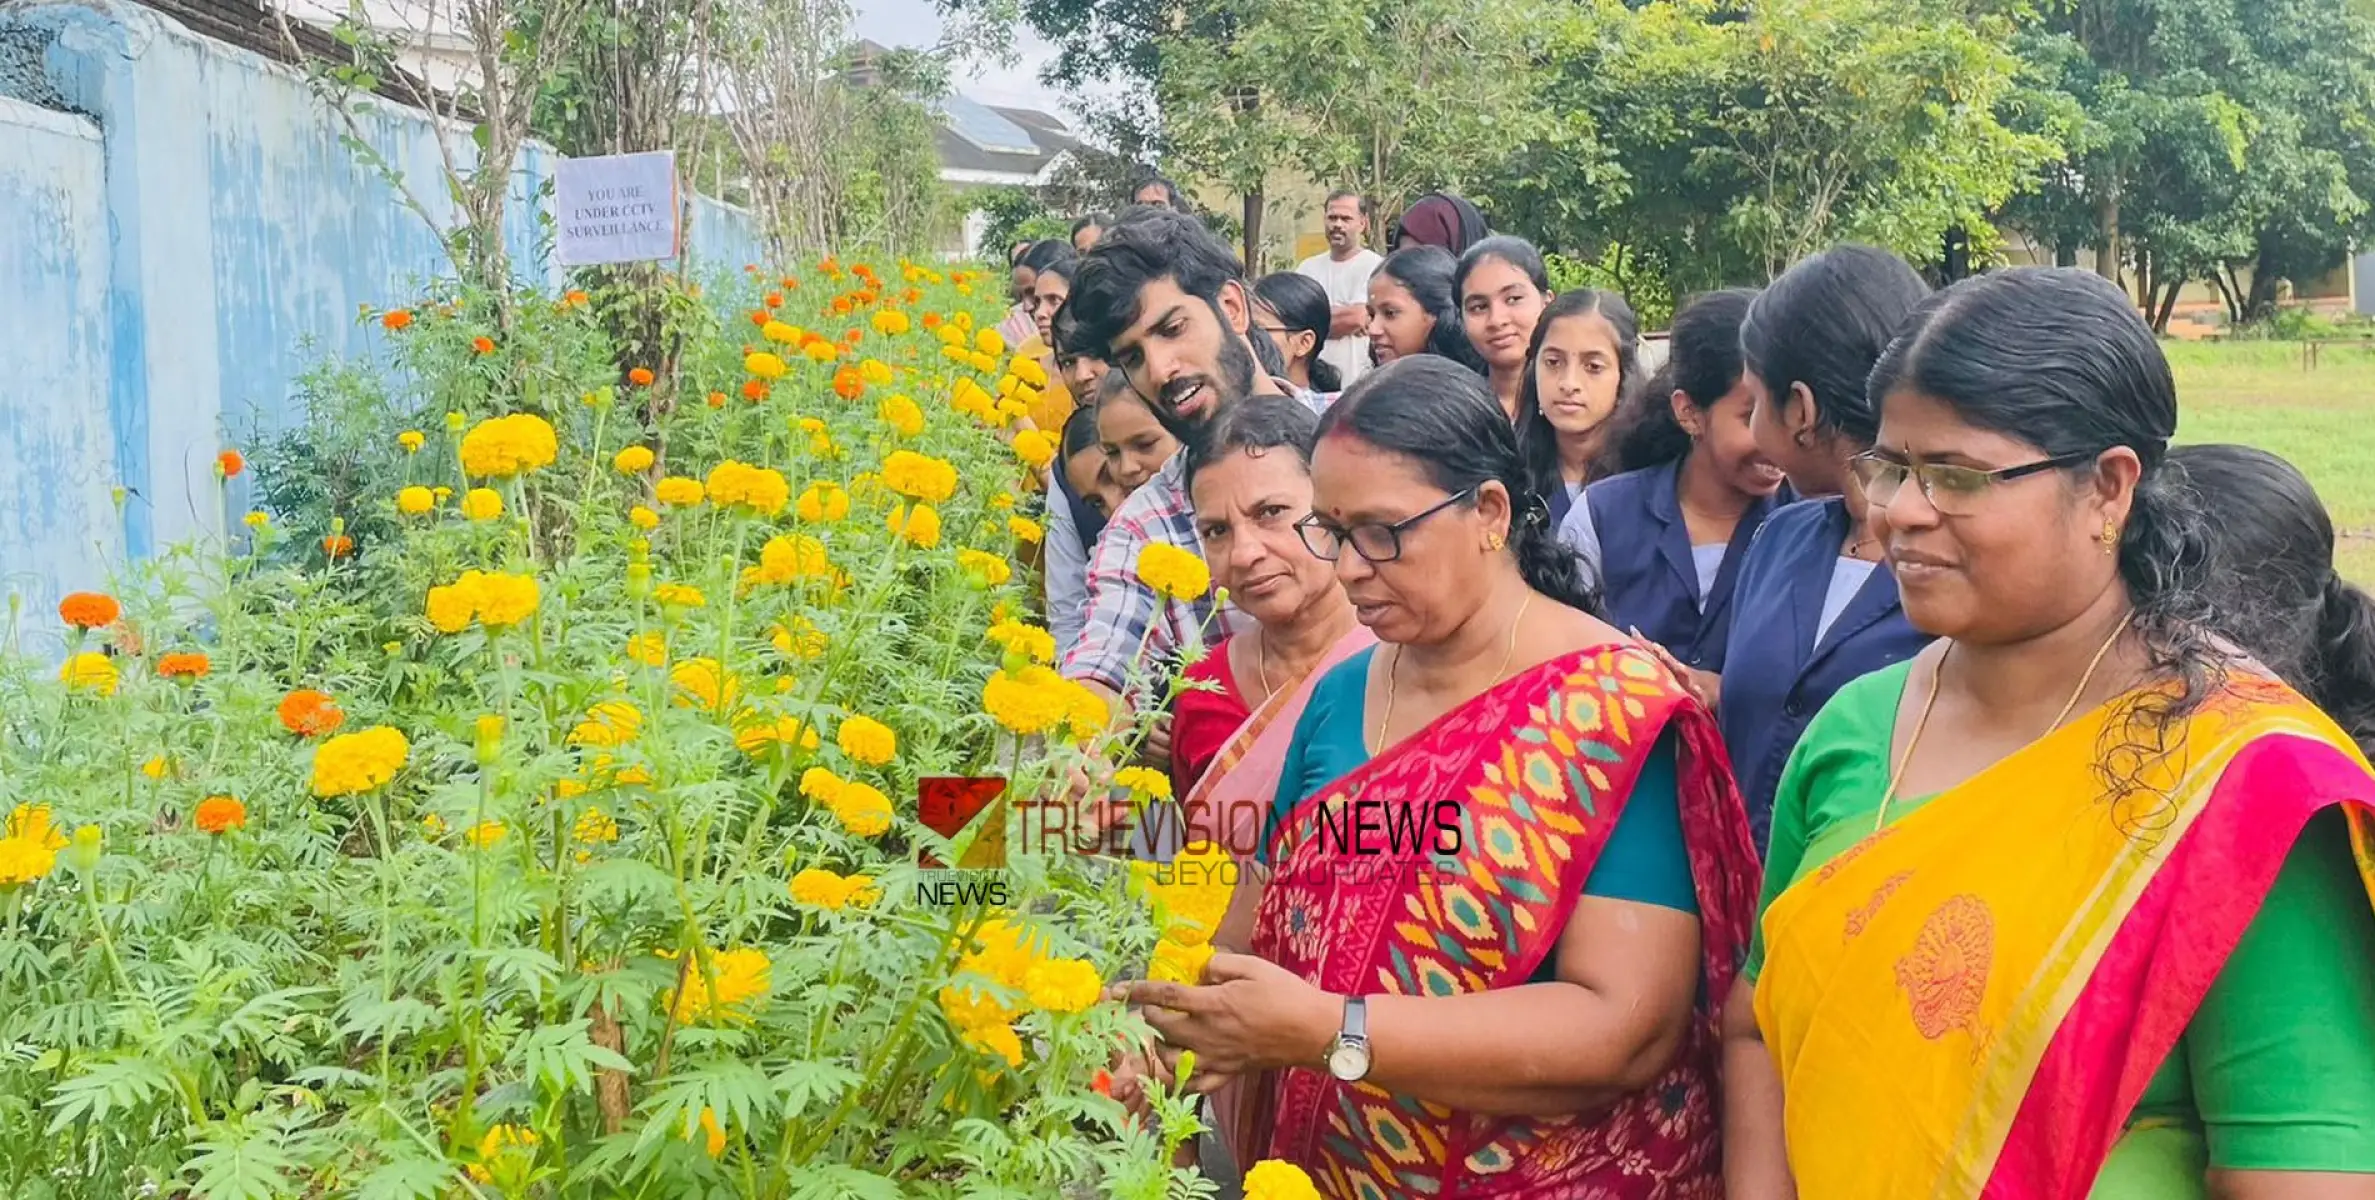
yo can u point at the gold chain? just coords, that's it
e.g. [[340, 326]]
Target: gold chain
[[1897, 775], [1508, 651]]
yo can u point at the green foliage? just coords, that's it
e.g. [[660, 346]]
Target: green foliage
[[1642, 283], [1014, 214]]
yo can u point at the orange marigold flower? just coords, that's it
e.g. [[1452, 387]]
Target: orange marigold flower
[[931, 320], [230, 463], [760, 316], [841, 306], [179, 666], [640, 377], [847, 384], [221, 814], [483, 344], [338, 545], [789, 284], [308, 713], [399, 319], [754, 390], [89, 610], [774, 300], [574, 298]]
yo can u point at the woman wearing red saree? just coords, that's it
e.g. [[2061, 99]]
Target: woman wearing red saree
[[2066, 906], [1510, 866]]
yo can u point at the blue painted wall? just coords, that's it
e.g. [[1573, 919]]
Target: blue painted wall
[[178, 253]]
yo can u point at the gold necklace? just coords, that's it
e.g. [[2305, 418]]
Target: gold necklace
[[1508, 651], [1897, 775]]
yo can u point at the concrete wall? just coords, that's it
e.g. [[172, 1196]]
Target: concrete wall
[[185, 234]]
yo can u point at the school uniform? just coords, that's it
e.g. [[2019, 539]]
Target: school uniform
[[1806, 620], [1630, 528]]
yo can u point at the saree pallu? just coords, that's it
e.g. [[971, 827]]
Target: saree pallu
[[1970, 1002], [1539, 770]]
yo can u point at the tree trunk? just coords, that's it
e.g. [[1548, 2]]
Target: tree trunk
[[1253, 233], [1956, 263], [2107, 232], [2260, 305], [2161, 312], [2145, 291], [2065, 254]]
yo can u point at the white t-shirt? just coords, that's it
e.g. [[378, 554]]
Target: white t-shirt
[[1582, 535], [1347, 283], [1848, 576]]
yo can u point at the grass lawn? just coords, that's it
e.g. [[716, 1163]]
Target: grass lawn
[[2322, 418]]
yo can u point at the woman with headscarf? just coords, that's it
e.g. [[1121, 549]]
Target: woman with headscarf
[[1439, 219]]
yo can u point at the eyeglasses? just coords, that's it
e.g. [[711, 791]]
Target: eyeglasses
[[1373, 541], [1954, 491]]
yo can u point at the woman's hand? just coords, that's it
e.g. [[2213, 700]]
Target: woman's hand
[[1250, 1015], [1704, 686], [1155, 751]]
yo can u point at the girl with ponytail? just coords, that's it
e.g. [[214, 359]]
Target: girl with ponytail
[[1547, 1041], [2079, 870]]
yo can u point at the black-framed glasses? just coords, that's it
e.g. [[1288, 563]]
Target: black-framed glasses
[[1374, 541], [1952, 490]]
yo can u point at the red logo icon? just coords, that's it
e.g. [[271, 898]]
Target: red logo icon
[[946, 804]]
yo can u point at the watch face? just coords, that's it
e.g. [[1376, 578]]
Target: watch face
[[1349, 1061]]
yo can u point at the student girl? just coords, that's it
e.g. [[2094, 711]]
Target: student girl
[[1586, 364], [1667, 539], [1502, 287], [1293, 309], [1412, 309], [1812, 607]]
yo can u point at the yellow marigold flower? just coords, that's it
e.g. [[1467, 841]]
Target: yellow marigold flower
[[764, 365], [676, 491], [415, 500], [482, 504], [1036, 448], [635, 774], [412, 440], [1029, 642], [794, 557], [743, 977], [919, 477], [503, 446], [1029, 371], [821, 351], [593, 826], [780, 333], [634, 460], [862, 809], [761, 490], [650, 649], [705, 685], [1173, 573], [157, 768], [967, 397], [988, 342], [820, 888], [504, 599], [451, 607], [921, 528], [643, 518], [507, 1151], [952, 336], [610, 723], [1025, 529], [354, 763], [875, 372], [867, 740], [985, 363], [821, 785], [1003, 502], [1026, 702], [1276, 1179], [678, 595], [1000, 1040], [485, 834], [985, 569], [760, 736], [257, 520], [1190, 893], [802, 639], [1144, 782], [29, 849], [890, 322], [1177, 962], [89, 671], [901, 414], [822, 503], [1062, 985]]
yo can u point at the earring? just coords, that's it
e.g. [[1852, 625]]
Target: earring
[[2110, 538], [1494, 541]]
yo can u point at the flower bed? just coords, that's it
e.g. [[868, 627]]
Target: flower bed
[[544, 825]]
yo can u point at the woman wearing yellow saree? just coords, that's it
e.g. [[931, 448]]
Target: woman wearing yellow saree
[[2068, 905]]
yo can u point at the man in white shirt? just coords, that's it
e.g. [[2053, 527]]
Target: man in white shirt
[[1344, 270]]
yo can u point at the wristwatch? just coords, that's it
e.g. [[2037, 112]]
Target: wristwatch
[[1348, 1056]]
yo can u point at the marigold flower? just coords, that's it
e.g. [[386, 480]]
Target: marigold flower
[[705, 685], [308, 713], [678, 595], [988, 342], [821, 351], [89, 610], [1190, 893], [640, 376], [820, 888], [508, 445], [634, 460], [1029, 642], [650, 649], [1062, 985], [337, 545], [506, 1149], [1176, 962], [220, 814], [1036, 448], [901, 414], [256, 520], [1173, 573], [89, 672], [610, 723], [743, 979], [415, 500], [718, 399], [482, 345], [157, 767], [482, 504], [184, 666], [398, 319], [1029, 371], [1276, 1179], [919, 477], [759, 489], [754, 390], [822, 503], [862, 809], [758, 737], [921, 527], [676, 491], [594, 827], [765, 365], [412, 440], [1026, 702], [793, 558], [229, 463], [890, 322], [1025, 529], [574, 298], [485, 834], [867, 740], [492, 598], [931, 320], [643, 518], [1144, 782], [354, 763], [984, 569]]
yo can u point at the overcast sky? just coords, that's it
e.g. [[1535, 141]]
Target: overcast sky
[[917, 23]]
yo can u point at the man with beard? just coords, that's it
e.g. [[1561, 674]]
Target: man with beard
[[1164, 302]]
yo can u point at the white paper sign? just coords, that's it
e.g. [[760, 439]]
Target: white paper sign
[[616, 208]]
